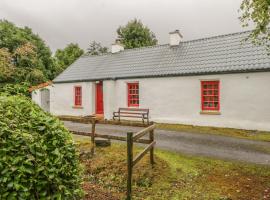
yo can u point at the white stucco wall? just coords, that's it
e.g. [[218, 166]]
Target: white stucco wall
[[244, 99], [109, 98], [62, 99]]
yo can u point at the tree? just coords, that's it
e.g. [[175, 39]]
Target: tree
[[25, 56], [20, 66], [13, 37], [65, 57], [257, 11], [6, 68], [134, 34], [96, 48]]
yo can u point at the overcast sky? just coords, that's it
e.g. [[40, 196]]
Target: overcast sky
[[60, 22]]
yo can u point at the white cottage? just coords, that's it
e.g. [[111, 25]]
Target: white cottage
[[220, 81]]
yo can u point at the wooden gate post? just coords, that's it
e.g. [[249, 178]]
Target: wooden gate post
[[129, 163]]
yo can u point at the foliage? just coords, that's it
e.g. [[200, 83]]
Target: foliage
[[33, 76], [65, 57], [11, 70], [134, 34], [25, 56], [38, 159], [95, 48], [16, 89], [257, 11], [7, 69], [28, 50]]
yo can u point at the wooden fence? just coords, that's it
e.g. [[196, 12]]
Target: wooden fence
[[131, 162], [130, 139]]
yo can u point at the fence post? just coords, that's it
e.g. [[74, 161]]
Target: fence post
[[93, 135], [93, 130], [151, 138], [129, 163]]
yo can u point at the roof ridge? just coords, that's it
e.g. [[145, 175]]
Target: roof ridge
[[125, 50], [217, 36], [160, 45], [90, 55], [146, 47]]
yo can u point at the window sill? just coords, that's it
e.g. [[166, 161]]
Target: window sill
[[133, 106], [210, 112], [77, 107]]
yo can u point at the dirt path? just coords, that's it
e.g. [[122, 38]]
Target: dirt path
[[222, 147]]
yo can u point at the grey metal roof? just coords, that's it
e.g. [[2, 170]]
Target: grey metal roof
[[220, 54]]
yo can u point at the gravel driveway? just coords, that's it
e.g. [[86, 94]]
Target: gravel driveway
[[214, 146]]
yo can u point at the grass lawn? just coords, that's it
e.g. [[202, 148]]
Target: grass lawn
[[238, 133], [174, 176]]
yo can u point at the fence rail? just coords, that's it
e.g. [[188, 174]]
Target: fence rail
[[143, 132], [142, 154]]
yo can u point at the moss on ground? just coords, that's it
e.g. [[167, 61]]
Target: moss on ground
[[174, 176]]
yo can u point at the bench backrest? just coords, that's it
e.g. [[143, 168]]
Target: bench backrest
[[134, 110]]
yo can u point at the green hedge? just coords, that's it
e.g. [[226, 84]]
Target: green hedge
[[15, 89], [38, 159]]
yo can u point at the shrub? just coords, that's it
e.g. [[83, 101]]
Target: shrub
[[38, 159], [16, 89]]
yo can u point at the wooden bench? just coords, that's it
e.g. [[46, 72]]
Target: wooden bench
[[132, 113]]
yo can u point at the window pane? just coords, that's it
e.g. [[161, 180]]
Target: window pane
[[210, 95], [133, 94]]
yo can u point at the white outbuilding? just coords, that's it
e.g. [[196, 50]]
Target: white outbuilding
[[221, 81]]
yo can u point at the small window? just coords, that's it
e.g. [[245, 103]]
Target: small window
[[133, 94], [78, 96], [210, 95]]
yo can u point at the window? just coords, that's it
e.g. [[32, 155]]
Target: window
[[210, 95], [133, 94], [78, 96]]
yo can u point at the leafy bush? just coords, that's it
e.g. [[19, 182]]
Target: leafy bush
[[38, 159], [16, 89]]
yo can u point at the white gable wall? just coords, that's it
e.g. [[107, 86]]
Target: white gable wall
[[244, 99]]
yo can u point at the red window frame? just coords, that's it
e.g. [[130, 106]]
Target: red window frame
[[78, 96], [210, 95], [133, 95]]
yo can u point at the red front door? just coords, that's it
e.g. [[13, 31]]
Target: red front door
[[99, 98]]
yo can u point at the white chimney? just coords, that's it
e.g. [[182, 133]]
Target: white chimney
[[175, 38], [117, 46]]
